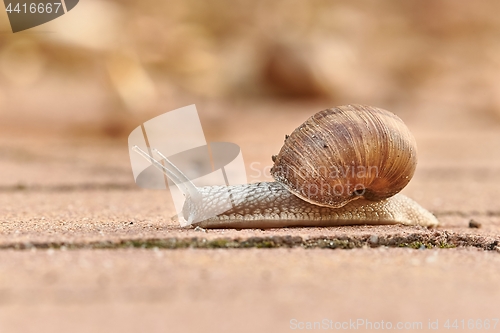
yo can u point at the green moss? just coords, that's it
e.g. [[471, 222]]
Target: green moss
[[444, 245], [219, 243], [332, 244], [417, 245], [428, 245], [266, 244], [442, 241]]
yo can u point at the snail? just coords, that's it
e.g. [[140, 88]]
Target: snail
[[343, 166]]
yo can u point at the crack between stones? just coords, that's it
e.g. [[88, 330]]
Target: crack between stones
[[435, 239]]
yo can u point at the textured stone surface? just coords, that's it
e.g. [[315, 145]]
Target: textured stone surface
[[253, 290], [70, 204]]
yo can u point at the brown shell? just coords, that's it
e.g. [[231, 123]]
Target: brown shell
[[347, 152]]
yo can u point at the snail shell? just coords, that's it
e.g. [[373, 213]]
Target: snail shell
[[345, 153]]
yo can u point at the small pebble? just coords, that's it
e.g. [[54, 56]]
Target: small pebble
[[198, 228], [474, 224], [373, 239]]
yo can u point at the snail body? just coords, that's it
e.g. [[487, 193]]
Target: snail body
[[271, 205], [342, 166]]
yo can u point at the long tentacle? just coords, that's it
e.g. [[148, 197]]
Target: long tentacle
[[185, 185]]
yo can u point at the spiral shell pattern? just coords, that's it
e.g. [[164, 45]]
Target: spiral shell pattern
[[345, 153]]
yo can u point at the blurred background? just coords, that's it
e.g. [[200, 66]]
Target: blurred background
[[108, 65]]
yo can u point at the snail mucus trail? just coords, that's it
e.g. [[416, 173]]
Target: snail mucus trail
[[343, 166]]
